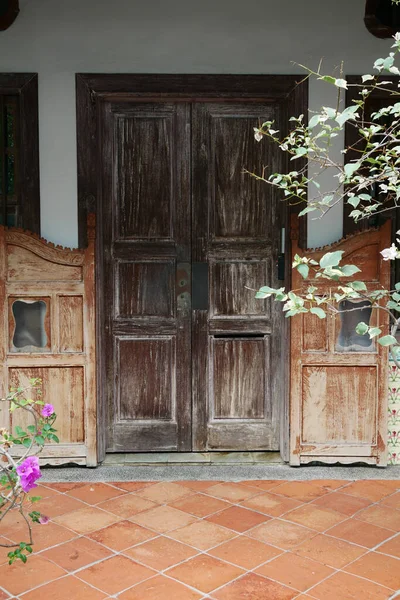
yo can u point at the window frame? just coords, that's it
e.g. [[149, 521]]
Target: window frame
[[25, 86]]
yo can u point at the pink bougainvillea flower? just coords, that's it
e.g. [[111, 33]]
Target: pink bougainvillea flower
[[43, 519], [29, 472], [47, 410]]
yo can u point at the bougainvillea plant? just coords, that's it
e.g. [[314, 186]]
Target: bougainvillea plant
[[19, 462], [369, 183]]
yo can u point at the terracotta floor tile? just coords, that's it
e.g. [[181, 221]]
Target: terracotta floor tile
[[200, 505], [65, 486], [331, 484], [55, 507], [45, 536], [263, 484], [281, 534], [164, 492], [161, 553], [198, 486], [128, 505], [254, 587], [391, 547], [70, 587], [132, 486], [4, 596], [233, 492], [86, 520], [378, 568], [94, 493], [382, 517], [342, 503], [329, 551], [272, 505], [163, 519], [343, 586], [303, 491], [160, 588], [371, 490], [237, 518], [315, 518], [202, 535], [295, 571], [19, 577], [121, 535], [115, 574], [245, 552], [77, 554], [393, 501], [205, 573], [44, 491], [360, 533], [4, 551]]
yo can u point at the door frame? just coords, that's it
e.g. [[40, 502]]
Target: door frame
[[91, 90]]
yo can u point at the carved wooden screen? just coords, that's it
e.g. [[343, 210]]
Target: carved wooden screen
[[338, 390], [47, 330]]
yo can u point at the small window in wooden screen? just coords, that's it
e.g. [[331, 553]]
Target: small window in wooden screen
[[29, 324], [351, 313]]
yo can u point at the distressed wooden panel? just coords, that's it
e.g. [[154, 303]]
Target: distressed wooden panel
[[146, 378], [145, 289], [63, 387], [233, 148], [23, 265], [238, 378], [339, 404], [314, 333], [229, 285], [144, 172], [367, 259], [70, 312]]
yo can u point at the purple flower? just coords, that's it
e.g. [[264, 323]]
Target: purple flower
[[43, 519], [47, 410], [29, 472]]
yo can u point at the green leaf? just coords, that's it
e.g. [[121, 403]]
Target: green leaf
[[351, 168], [331, 259], [374, 331], [34, 499], [306, 210], [328, 79], [349, 270], [318, 311], [367, 78], [39, 440], [397, 286], [362, 328], [55, 439], [341, 83], [314, 121], [359, 286], [387, 340], [27, 442], [303, 269], [31, 428]]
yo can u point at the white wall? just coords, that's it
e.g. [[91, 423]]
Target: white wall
[[57, 39]]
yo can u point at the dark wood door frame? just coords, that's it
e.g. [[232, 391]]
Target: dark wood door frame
[[92, 90]]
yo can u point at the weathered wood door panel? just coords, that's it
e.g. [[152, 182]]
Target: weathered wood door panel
[[338, 391], [146, 232], [236, 388]]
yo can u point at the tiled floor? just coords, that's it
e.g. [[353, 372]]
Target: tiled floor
[[192, 540]]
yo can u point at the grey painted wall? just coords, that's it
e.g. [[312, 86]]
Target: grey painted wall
[[57, 39]]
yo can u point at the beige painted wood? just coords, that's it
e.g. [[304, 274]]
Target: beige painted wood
[[338, 396], [32, 270]]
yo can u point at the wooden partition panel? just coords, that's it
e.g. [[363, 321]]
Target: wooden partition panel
[[338, 391], [47, 330]]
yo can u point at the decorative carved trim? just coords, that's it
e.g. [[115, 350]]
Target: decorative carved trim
[[8, 18], [43, 248]]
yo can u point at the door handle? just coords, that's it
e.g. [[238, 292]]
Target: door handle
[[200, 286]]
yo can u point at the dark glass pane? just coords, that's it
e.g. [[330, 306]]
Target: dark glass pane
[[29, 324], [351, 313], [12, 216], [10, 126], [10, 174]]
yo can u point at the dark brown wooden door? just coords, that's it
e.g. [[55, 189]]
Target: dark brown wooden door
[[236, 229], [189, 368], [146, 302]]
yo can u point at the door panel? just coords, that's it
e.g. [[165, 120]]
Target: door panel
[[146, 238], [236, 384]]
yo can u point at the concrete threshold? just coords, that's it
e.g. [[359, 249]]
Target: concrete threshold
[[193, 458]]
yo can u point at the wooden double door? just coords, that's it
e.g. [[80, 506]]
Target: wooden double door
[[192, 361]]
